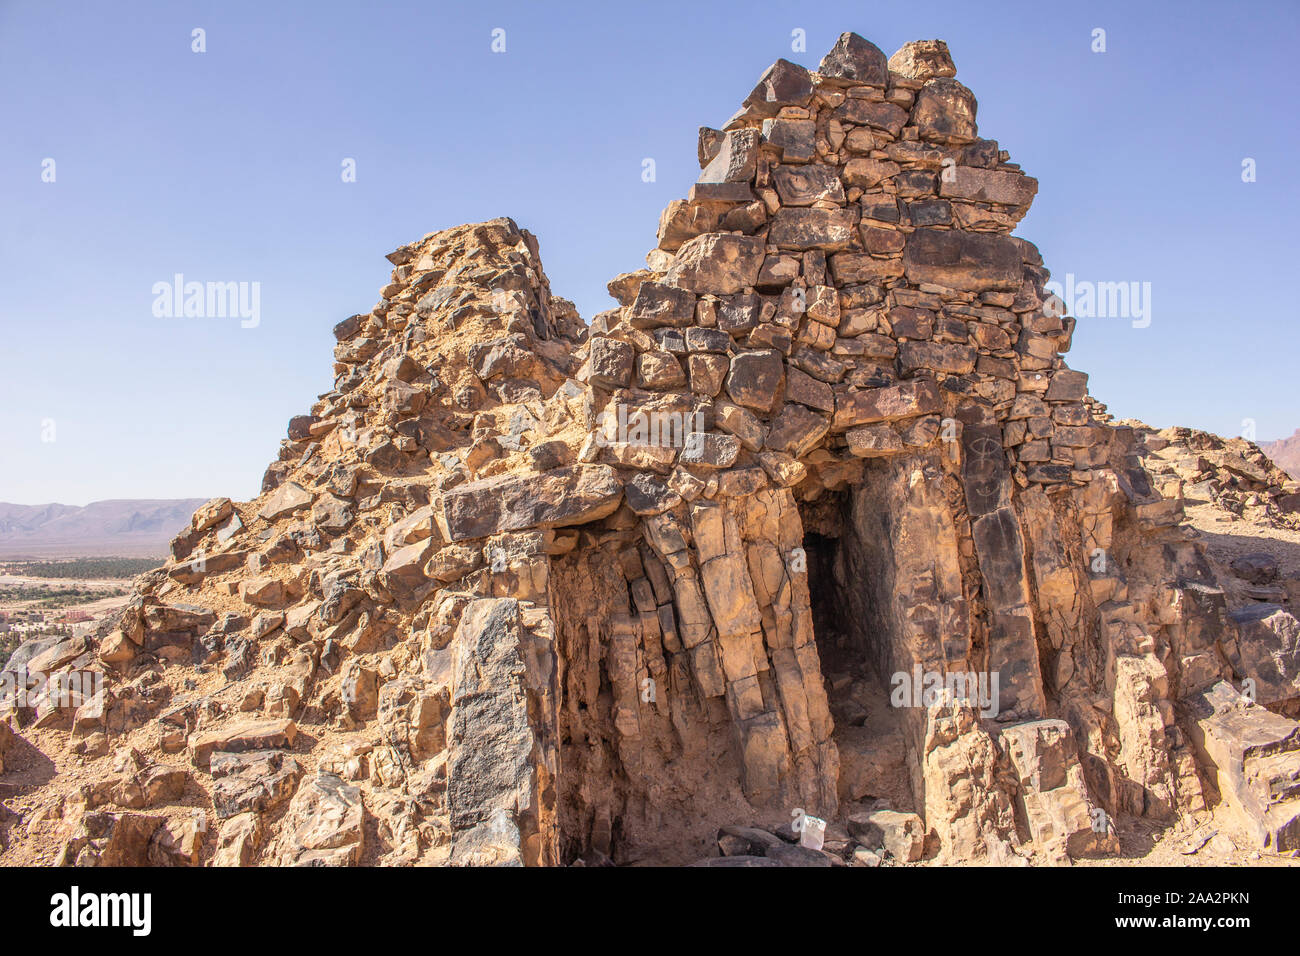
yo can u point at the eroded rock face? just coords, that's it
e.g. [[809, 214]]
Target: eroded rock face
[[324, 825], [816, 522], [503, 745]]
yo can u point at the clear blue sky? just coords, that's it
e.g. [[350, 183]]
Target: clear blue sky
[[225, 166]]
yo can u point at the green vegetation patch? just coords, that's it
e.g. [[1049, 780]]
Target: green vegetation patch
[[84, 568]]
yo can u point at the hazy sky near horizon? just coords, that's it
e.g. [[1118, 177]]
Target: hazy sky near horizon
[[226, 166]]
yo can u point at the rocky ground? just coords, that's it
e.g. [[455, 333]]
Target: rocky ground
[[1205, 839], [1231, 495]]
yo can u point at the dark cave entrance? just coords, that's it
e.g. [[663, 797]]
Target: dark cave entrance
[[847, 541], [843, 644], [847, 619]]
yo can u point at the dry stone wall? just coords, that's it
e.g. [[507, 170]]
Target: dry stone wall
[[841, 297]]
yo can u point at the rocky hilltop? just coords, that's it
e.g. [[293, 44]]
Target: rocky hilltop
[[816, 523], [1286, 453], [1231, 474]]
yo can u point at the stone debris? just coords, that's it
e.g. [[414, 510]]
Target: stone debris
[[1232, 474], [1256, 758], [898, 835], [816, 521]]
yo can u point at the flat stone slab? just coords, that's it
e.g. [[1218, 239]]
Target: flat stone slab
[[575, 494], [242, 736]]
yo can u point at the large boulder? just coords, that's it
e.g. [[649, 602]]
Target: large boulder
[[966, 261], [854, 61], [241, 736], [782, 84], [736, 159], [285, 500], [755, 379], [831, 230], [923, 60], [574, 494], [105, 839], [944, 113], [325, 825], [901, 835], [1268, 652], [720, 263]]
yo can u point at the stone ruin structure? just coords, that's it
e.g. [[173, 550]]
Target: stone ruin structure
[[524, 590]]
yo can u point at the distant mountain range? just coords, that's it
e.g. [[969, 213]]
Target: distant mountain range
[[126, 528], [1285, 452]]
